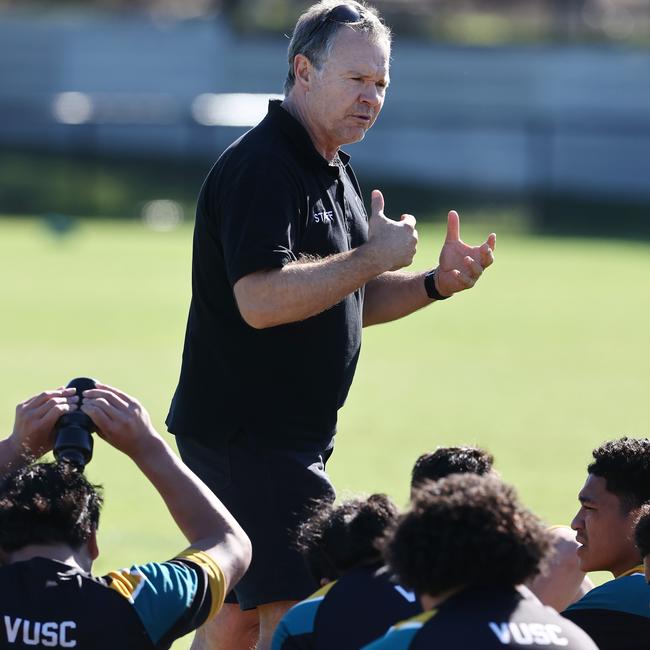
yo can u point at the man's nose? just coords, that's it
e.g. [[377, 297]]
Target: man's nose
[[371, 94], [576, 522]]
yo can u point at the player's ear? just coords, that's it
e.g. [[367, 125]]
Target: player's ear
[[303, 70]]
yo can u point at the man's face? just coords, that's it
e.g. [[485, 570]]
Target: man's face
[[345, 96], [604, 529]]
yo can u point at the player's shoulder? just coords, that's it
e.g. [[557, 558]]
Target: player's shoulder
[[629, 594], [401, 635], [163, 594], [300, 619]]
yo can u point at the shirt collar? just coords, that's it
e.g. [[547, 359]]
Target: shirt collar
[[298, 135]]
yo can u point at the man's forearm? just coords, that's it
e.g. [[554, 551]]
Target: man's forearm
[[305, 288], [201, 517], [394, 295]]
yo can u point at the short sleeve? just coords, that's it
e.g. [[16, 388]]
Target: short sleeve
[[172, 598], [259, 206]]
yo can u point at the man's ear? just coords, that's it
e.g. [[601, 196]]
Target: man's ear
[[303, 71]]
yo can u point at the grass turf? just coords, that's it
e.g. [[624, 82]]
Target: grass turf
[[544, 360]]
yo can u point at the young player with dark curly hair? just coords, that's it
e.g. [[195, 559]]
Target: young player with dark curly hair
[[49, 514], [358, 600], [616, 614], [364, 603], [444, 461], [465, 547], [562, 581]]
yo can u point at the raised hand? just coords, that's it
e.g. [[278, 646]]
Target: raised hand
[[121, 420], [461, 265], [394, 241], [33, 432]]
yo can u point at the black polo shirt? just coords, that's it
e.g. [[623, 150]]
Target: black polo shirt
[[270, 199]]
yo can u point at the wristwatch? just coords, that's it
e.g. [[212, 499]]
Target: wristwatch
[[430, 286]]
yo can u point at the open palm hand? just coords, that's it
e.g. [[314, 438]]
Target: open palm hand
[[461, 265]]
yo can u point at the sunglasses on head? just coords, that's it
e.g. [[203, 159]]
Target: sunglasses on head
[[342, 14]]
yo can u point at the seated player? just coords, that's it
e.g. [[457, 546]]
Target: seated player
[[616, 614], [358, 600], [642, 538], [465, 547], [444, 461], [561, 581], [356, 610], [49, 514]]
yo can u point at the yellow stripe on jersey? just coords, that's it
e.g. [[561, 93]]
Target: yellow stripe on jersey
[[419, 620], [322, 591], [125, 583], [637, 569], [216, 579]]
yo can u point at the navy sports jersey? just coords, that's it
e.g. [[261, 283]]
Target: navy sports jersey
[[346, 614], [616, 615], [486, 619], [49, 604]]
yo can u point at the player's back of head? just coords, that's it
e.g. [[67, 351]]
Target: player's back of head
[[466, 530], [444, 461], [339, 537], [47, 503]]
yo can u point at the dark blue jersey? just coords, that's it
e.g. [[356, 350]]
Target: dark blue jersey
[[49, 604], [486, 619], [616, 615], [346, 614]]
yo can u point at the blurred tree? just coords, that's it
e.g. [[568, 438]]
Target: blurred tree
[[469, 21]]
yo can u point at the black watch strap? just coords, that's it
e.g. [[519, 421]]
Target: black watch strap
[[430, 286]]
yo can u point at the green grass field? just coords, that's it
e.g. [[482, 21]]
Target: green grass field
[[544, 359]]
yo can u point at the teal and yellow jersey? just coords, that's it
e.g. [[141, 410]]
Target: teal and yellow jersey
[[489, 619], [616, 615], [48, 604], [346, 614]]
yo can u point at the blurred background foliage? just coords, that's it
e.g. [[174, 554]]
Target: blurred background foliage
[[459, 21], [534, 116]]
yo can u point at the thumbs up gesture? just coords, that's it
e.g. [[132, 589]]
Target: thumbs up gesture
[[461, 265], [394, 241]]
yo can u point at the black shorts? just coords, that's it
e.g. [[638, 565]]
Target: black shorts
[[268, 491]]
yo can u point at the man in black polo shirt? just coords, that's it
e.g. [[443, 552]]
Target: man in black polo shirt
[[287, 269]]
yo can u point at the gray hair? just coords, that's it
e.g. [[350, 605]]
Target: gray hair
[[316, 42]]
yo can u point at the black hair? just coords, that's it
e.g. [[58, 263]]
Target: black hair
[[466, 530], [47, 503], [625, 466], [339, 537], [444, 461]]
